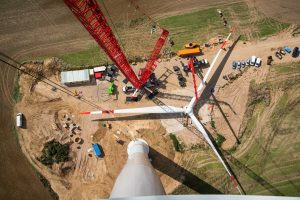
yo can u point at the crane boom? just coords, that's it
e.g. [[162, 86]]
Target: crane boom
[[150, 66], [89, 14]]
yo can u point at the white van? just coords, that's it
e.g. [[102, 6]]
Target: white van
[[253, 60], [19, 120], [258, 62]]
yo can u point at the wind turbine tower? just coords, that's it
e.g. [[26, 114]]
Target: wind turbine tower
[[138, 177]]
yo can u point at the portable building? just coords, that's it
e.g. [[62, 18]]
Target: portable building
[[100, 69], [75, 77], [19, 120]]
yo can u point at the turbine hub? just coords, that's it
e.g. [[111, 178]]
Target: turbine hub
[[188, 110]]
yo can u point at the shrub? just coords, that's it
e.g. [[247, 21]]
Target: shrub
[[220, 139], [178, 147], [54, 152]]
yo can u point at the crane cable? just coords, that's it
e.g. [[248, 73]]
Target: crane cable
[[111, 21], [147, 16]]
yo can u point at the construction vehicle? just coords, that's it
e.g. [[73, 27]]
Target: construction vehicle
[[111, 88], [191, 45], [189, 52]]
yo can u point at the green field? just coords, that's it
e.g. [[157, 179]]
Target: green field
[[198, 26], [270, 163]]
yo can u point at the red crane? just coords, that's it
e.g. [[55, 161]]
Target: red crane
[[150, 66], [191, 66], [89, 14]]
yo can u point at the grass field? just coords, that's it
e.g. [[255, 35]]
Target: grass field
[[198, 26], [269, 164]]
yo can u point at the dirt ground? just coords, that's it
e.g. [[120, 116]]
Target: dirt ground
[[87, 177]]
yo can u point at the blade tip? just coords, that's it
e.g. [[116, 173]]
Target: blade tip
[[85, 113]]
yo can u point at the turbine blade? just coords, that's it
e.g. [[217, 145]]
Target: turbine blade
[[192, 102], [145, 110], [206, 137]]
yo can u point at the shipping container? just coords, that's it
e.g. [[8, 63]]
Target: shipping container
[[19, 120], [188, 52], [97, 150]]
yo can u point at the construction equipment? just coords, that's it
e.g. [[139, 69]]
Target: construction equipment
[[111, 88], [191, 45], [188, 52]]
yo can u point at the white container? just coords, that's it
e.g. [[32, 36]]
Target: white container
[[99, 69], [91, 72], [19, 120]]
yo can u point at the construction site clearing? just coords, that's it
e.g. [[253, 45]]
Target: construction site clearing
[[51, 114]]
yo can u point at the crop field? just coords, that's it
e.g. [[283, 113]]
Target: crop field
[[269, 162], [199, 26]]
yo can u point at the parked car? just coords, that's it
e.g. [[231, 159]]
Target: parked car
[[180, 77], [185, 68], [234, 64], [282, 52], [287, 49], [258, 62], [253, 60], [128, 89], [295, 52], [153, 94], [131, 99], [182, 83], [269, 61], [238, 65], [19, 120], [204, 62], [243, 64], [248, 62], [278, 55], [176, 68]]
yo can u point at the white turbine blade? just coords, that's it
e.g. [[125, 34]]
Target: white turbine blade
[[191, 104], [206, 137], [143, 110]]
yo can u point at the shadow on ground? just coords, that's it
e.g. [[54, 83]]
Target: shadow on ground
[[168, 167]]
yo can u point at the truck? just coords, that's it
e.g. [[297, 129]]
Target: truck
[[97, 150], [188, 52]]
